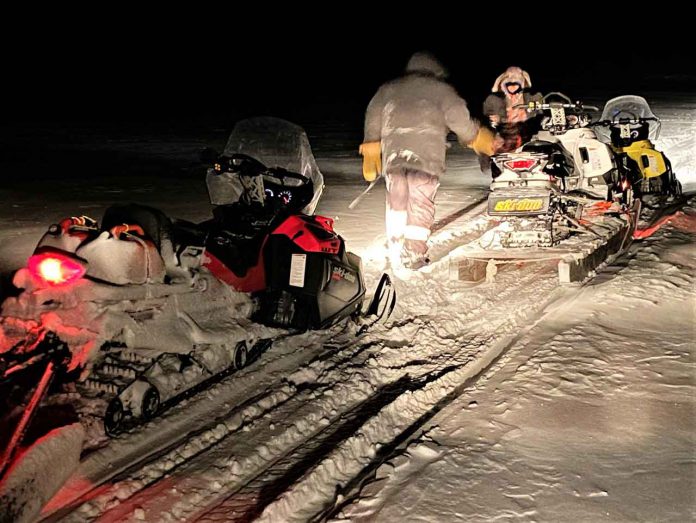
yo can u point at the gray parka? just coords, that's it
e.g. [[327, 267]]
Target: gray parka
[[412, 115]]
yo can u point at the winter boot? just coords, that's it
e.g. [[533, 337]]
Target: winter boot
[[414, 254]]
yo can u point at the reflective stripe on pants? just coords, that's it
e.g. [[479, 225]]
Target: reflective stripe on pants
[[412, 192]]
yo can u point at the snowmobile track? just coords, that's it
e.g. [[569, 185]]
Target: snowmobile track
[[350, 492], [248, 501], [124, 468]]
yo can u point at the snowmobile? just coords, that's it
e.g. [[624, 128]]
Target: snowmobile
[[629, 127], [140, 310], [587, 163], [543, 185], [548, 201]]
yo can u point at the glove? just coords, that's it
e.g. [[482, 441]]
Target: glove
[[372, 160], [484, 142]]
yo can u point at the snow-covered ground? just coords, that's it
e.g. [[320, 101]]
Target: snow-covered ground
[[513, 400], [589, 416]]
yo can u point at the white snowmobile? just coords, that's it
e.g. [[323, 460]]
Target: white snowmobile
[[548, 197], [542, 187], [141, 310]]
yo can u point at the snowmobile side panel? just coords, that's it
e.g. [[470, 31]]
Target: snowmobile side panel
[[650, 161], [594, 157], [253, 281], [308, 290]]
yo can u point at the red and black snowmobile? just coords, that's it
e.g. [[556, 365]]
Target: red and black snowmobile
[[140, 310]]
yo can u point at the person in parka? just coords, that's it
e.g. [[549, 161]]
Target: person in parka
[[515, 124], [406, 127]]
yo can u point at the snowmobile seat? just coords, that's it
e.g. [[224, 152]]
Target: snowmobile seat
[[237, 234], [155, 224], [560, 162]]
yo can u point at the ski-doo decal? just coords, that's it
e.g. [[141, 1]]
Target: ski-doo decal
[[514, 206]]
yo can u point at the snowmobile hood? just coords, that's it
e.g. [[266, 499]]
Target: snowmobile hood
[[425, 63]]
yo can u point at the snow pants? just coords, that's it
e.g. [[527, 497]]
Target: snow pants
[[410, 206]]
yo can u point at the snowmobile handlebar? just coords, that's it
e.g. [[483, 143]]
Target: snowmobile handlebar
[[565, 103], [623, 121], [545, 106], [245, 165]]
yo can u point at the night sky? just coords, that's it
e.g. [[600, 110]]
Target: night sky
[[218, 68]]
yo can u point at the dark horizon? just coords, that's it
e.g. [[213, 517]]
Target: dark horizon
[[151, 76]]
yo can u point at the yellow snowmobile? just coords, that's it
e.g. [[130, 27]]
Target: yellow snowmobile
[[630, 127]]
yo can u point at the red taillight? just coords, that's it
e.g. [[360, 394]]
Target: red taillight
[[521, 165], [55, 269]]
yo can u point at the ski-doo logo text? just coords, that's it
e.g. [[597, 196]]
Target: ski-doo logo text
[[339, 273], [527, 204]]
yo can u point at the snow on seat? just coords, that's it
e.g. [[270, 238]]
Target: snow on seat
[[155, 226]]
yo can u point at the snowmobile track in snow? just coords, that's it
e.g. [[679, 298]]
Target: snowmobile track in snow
[[385, 451], [248, 499], [126, 466], [351, 491]]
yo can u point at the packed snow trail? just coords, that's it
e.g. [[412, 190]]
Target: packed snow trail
[[400, 376], [589, 416], [175, 426]]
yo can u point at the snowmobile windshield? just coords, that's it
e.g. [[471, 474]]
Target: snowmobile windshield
[[276, 143], [628, 108]]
